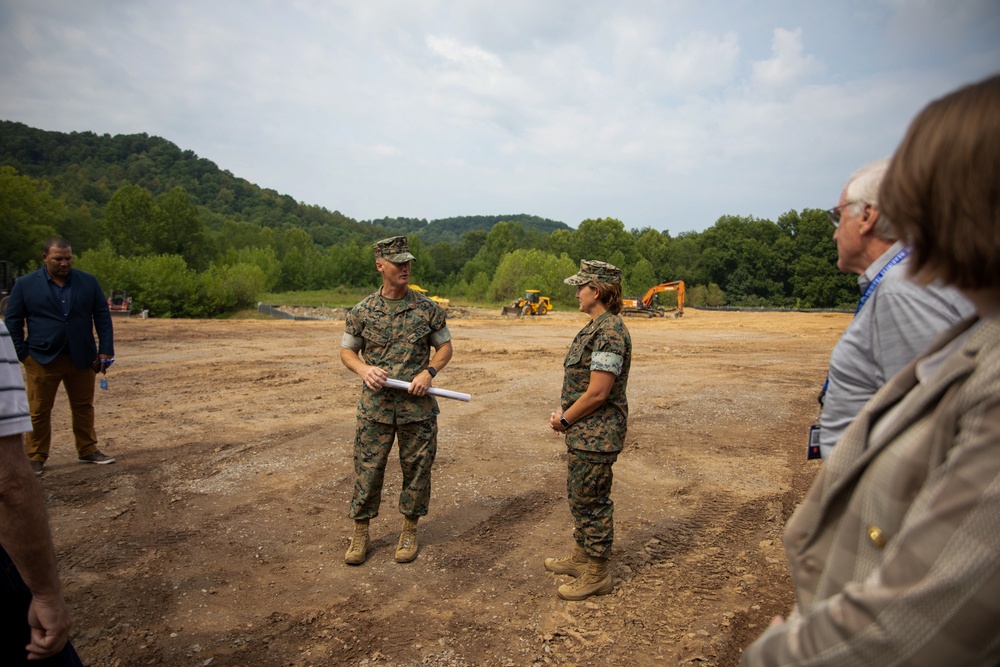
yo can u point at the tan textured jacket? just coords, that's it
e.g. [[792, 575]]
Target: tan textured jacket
[[895, 551]]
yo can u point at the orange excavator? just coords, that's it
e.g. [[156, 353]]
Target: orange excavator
[[647, 304]]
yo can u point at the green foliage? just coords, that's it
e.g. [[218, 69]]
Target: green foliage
[[177, 227], [166, 287], [185, 238], [816, 282], [264, 259], [639, 278], [339, 297], [231, 287], [741, 254], [714, 296], [85, 168], [29, 214], [129, 221], [479, 287], [453, 230], [353, 265], [699, 295], [601, 239], [532, 269]]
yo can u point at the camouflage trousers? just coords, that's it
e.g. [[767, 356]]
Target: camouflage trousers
[[589, 485], [417, 443]]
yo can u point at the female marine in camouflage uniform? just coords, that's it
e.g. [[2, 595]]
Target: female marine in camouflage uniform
[[593, 415]]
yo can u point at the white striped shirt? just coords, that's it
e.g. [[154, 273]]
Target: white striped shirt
[[14, 415]]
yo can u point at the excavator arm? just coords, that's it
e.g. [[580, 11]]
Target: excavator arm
[[676, 286]]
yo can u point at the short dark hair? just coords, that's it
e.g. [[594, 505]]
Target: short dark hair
[[56, 242], [610, 294], [942, 189]]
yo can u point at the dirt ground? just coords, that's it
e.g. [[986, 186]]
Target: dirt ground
[[218, 537]]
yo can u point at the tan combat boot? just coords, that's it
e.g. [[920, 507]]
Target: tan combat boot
[[406, 550], [595, 581], [575, 564], [358, 551]]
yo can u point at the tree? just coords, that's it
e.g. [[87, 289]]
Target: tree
[[352, 265], [739, 255], [228, 287], [654, 247], [130, 221], [29, 214], [264, 259], [683, 260], [177, 227], [714, 296], [639, 278], [600, 238], [479, 286], [532, 269], [815, 281]]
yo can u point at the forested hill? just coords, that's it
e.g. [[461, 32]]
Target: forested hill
[[86, 169], [186, 238], [451, 230]]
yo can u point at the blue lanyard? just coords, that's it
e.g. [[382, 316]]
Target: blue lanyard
[[899, 257]]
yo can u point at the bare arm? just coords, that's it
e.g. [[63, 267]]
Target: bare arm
[[421, 383], [373, 376], [24, 533], [598, 390]]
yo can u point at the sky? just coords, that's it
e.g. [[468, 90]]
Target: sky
[[665, 114]]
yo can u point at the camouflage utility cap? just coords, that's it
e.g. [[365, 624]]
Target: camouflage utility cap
[[394, 249], [592, 271]]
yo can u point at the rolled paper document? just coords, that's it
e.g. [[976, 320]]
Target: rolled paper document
[[433, 391]]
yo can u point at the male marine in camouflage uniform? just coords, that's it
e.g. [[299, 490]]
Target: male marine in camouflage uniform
[[593, 414], [389, 335]]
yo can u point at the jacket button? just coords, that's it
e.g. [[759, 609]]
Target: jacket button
[[876, 535]]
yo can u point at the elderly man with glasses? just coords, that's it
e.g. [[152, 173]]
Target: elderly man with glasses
[[895, 318]]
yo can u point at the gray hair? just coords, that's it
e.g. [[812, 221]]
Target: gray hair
[[863, 187]]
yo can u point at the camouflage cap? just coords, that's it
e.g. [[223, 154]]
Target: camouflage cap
[[394, 249], [592, 271]]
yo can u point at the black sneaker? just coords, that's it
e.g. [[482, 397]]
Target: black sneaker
[[98, 457], [37, 467]]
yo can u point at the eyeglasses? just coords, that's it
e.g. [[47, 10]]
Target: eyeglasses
[[833, 214]]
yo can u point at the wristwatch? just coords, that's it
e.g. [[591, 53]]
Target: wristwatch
[[562, 420], [432, 371]]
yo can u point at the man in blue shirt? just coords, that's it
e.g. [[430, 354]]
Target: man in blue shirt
[[896, 318], [61, 307]]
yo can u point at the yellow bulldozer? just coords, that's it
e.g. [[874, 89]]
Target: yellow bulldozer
[[533, 303], [439, 300]]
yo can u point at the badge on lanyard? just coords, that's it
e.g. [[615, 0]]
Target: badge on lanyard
[[812, 450]]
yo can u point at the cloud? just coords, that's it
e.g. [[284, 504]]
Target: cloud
[[788, 66], [661, 112], [701, 62], [458, 54]]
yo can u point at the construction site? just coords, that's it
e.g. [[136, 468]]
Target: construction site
[[218, 537]]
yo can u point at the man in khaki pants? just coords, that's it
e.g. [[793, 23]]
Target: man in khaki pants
[[61, 307]]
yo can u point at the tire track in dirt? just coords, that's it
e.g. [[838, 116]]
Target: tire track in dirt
[[220, 533]]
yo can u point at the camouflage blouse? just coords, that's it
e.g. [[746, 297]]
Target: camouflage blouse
[[397, 339], [602, 345]]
